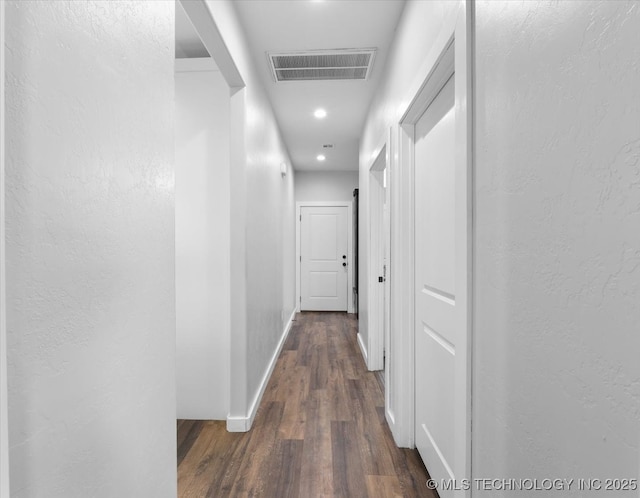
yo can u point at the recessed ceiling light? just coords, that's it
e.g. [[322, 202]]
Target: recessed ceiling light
[[320, 113], [320, 158]]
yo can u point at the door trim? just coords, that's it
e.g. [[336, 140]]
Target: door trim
[[349, 206], [450, 54], [374, 354], [4, 423]]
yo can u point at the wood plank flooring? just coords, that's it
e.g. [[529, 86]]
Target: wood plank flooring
[[320, 430]]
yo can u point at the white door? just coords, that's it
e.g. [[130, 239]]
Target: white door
[[378, 235], [324, 258], [437, 329], [386, 230]]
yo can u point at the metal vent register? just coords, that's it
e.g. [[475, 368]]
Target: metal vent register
[[322, 65]]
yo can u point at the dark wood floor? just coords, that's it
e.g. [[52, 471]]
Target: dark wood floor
[[320, 430]]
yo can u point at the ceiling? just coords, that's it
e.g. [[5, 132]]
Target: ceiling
[[301, 25]]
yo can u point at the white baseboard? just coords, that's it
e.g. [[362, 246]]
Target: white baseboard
[[363, 349], [238, 424], [243, 424]]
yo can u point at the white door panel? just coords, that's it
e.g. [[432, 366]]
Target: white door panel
[[436, 312], [324, 258], [324, 236], [323, 284], [436, 222], [440, 388], [435, 272]]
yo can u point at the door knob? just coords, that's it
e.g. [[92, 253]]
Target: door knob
[[344, 264]]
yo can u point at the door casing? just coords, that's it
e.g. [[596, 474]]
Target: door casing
[[374, 350], [4, 423], [349, 206]]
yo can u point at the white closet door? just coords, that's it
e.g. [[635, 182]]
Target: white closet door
[[436, 333]]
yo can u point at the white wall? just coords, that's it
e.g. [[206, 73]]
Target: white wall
[[315, 186], [557, 281], [422, 22], [90, 249], [202, 241], [263, 229], [4, 430], [319, 186]]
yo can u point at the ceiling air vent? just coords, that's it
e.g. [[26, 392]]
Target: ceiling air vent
[[322, 65]]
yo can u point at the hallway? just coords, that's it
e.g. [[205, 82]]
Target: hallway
[[151, 248], [319, 431]]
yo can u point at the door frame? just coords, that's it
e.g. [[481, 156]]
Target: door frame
[[378, 234], [349, 206], [4, 422], [451, 53]]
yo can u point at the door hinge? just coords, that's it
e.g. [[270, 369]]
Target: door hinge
[[300, 217], [300, 258]]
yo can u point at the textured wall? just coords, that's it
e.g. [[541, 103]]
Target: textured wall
[[557, 264], [203, 222], [90, 249], [325, 186]]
